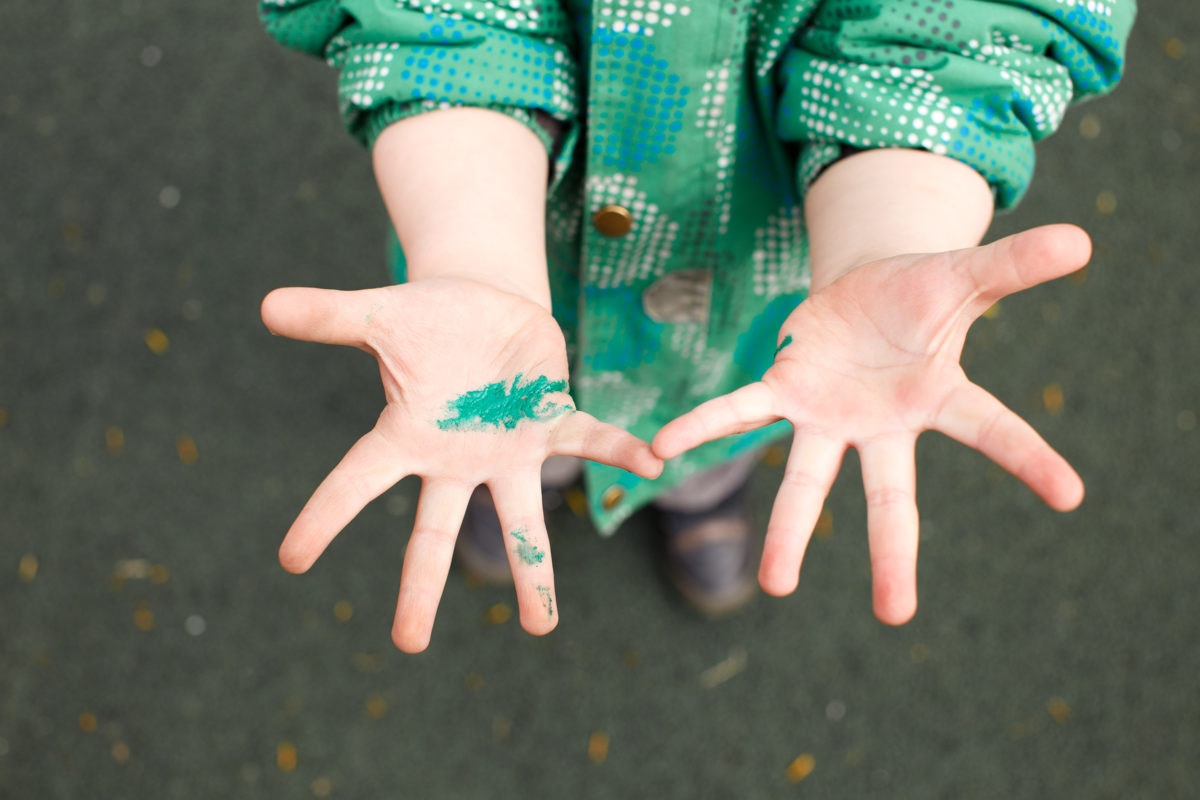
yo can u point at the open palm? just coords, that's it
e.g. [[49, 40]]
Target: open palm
[[870, 362], [475, 382]]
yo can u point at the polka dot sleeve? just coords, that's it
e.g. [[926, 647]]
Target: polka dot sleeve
[[974, 80], [403, 57]]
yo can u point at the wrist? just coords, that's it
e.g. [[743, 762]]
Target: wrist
[[880, 204], [524, 276], [466, 191]]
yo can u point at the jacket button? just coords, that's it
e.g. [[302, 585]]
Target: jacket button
[[613, 220], [611, 497]]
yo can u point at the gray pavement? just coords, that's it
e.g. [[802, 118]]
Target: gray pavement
[[163, 165]]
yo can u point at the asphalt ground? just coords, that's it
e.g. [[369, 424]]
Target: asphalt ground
[[163, 165]]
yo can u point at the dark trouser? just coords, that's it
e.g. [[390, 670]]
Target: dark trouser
[[697, 493]]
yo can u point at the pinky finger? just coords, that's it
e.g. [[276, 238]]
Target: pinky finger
[[584, 436], [974, 417]]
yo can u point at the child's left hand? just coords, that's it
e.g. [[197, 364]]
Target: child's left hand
[[870, 362]]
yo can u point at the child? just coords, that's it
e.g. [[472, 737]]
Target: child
[[726, 216]]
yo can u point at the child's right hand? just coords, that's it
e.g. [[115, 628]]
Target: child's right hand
[[475, 382]]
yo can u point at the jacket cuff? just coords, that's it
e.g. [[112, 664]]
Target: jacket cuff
[[374, 124]]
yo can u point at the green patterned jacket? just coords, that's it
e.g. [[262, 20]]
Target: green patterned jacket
[[674, 223]]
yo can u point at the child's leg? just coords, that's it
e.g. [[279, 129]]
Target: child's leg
[[706, 489], [709, 541], [559, 472]]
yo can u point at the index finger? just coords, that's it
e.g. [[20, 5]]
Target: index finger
[[369, 468], [974, 417]]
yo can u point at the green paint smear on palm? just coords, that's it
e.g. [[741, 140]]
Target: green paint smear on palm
[[501, 405], [529, 553], [786, 341]]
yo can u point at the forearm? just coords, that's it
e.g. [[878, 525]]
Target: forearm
[[466, 191], [882, 203]]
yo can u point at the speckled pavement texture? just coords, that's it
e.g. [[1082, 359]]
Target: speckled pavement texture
[[163, 165]]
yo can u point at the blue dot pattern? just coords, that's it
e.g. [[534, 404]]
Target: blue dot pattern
[[707, 120], [974, 80], [397, 59], [638, 93]]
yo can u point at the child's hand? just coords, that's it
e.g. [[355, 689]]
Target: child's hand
[[870, 362], [475, 381]]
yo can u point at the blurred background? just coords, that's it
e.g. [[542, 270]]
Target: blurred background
[[163, 165]]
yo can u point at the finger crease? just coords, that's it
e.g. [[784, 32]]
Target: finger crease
[[889, 497]]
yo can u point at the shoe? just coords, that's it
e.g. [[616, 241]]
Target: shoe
[[480, 543], [710, 555]]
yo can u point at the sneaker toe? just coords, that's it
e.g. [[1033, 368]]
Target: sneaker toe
[[711, 564]]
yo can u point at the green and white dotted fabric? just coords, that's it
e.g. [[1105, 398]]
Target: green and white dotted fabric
[[403, 57], [706, 120]]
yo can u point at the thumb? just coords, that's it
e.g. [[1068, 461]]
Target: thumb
[[321, 315], [1027, 259], [745, 409]]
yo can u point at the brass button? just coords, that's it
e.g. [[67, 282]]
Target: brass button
[[613, 220], [612, 495]]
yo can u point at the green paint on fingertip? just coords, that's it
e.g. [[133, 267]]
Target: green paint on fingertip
[[501, 405], [528, 552], [786, 341], [544, 591]]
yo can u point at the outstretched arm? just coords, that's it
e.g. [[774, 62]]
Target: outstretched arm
[[466, 191], [474, 367], [871, 359], [882, 203]]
